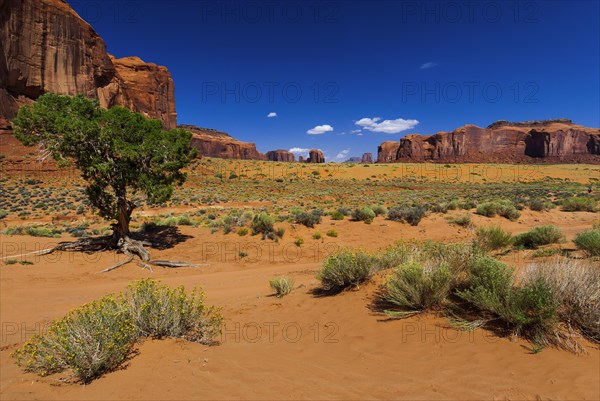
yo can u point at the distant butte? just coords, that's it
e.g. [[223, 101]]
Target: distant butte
[[553, 141]]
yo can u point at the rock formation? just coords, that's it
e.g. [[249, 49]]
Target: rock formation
[[301, 159], [213, 143], [502, 142], [353, 159], [315, 156], [367, 158], [280, 155], [386, 152], [46, 47]]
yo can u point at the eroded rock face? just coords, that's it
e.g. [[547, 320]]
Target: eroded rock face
[[386, 152], [367, 158], [502, 142], [280, 155], [46, 47], [315, 156], [213, 143], [144, 87]]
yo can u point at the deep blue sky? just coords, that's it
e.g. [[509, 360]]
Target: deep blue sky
[[443, 64]]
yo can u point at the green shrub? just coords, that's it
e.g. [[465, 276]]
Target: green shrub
[[589, 242], [90, 341], [365, 214], [538, 236], [263, 223], [332, 233], [492, 238], [337, 215], [282, 285], [299, 242], [3, 213], [414, 287], [308, 219], [34, 231], [580, 204], [539, 205], [379, 210], [346, 268], [529, 310], [463, 220], [317, 236], [242, 231], [411, 215], [502, 208]]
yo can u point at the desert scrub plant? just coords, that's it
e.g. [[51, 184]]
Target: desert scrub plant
[[379, 210], [34, 231], [463, 220], [263, 223], [502, 208], [91, 340], [159, 311], [365, 214], [538, 205], [492, 238], [529, 310], [410, 215], [538, 236], [576, 286], [332, 233], [415, 287], [346, 268], [317, 236], [242, 231], [308, 219], [337, 215], [589, 242], [579, 204], [282, 285], [97, 337]]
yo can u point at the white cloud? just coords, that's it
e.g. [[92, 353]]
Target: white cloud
[[299, 151], [343, 154], [356, 131], [386, 126], [320, 129], [272, 114], [429, 64]]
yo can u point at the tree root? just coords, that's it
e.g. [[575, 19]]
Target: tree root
[[131, 248]]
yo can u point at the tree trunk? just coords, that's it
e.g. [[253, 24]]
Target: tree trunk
[[121, 227]]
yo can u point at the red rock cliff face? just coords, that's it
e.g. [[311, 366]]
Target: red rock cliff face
[[552, 141], [213, 143], [280, 155], [386, 152], [46, 47], [315, 156]]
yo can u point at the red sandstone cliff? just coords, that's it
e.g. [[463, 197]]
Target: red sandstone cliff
[[46, 47], [315, 156], [213, 143], [280, 155], [559, 141]]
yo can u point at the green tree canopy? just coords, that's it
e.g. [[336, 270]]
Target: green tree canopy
[[119, 152]]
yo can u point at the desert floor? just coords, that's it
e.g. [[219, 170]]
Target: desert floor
[[299, 347]]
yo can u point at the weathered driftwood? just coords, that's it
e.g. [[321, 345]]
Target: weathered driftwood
[[128, 246]]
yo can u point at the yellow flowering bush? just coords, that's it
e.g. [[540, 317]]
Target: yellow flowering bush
[[97, 337]]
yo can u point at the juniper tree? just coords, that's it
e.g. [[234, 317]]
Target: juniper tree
[[118, 152]]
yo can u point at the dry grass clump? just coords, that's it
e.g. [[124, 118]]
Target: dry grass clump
[[576, 287], [282, 285]]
